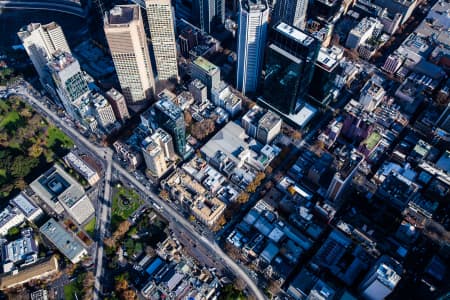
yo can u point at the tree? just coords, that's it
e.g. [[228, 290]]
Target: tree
[[243, 197], [187, 117], [296, 135], [22, 166], [13, 231], [121, 230], [35, 150], [129, 295], [164, 194], [200, 130], [121, 285]]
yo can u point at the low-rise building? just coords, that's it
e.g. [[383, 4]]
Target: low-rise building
[[82, 168], [264, 125], [131, 157], [62, 192], [103, 111], [26, 205], [64, 241], [20, 252], [10, 217], [38, 271]]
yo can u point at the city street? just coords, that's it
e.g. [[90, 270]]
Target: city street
[[104, 155]]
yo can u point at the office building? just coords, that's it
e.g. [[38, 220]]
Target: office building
[[269, 126], [323, 84], [10, 217], [250, 120], [124, 31], [39, 271], [372, 93], [253, 20], [164, 140], [188, 39], [289, 67], [292, 12], [119, 105], [86, 171], [443, 121], [198, 90], [62, 192], [40, 43], [381, 280], [103, 111], [154, 157], [20, 252], [229, 99], [161, 23], [208, 13], [207, 72], [366, 28], [346, 166], [170, 117], [64, 241], [69, 81]]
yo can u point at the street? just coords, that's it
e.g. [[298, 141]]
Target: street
[[104, 155]]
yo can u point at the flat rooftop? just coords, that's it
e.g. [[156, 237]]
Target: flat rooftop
[[25, 204], [63, 240], [294, 33], [169, 108], [325, 61], [123, 14], [205, 65]]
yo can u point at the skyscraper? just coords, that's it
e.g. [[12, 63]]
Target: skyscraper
[[292, 12], [289, 67], [40, 42], [126, 38], [161, 23], [253, 20], [208, 13], [169, 117], [69, 82]]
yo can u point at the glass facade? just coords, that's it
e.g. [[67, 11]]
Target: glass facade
[[281, 79], [289, 66], [170, 118]]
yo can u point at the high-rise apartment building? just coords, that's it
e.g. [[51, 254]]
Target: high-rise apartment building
[[169, 117], [69, 82], [161, 23], [208, 13], [292, 12], [252, 23], [40, 43], [289, 67], [119, 105], [127, 42]]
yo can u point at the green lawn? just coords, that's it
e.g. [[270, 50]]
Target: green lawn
[[90, 227], [69, 291], [56, 135], [125, 202], [10, 118]]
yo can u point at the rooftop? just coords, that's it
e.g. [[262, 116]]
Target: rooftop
[[169, 108], [80, 165], [325, 60], [25, 204], [123, 14], [252, 5], [29, 273], [114, 94], [63, 240], [295, 34], [205, 65], [61, 60]]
